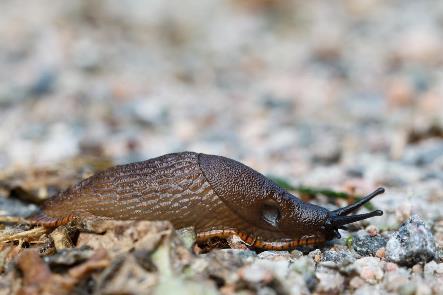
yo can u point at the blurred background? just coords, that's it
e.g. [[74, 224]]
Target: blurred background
[[330, 93]]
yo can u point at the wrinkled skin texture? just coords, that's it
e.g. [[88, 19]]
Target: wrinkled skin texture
[[210, 193]]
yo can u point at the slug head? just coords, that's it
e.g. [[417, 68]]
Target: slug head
[[262, 204], [324, 224]]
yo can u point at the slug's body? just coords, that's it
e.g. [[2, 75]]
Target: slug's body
[[217, 196]]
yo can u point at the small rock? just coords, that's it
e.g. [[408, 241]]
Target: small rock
[[12, 207], [433, 269], [177, 285], [274, 255], [149, 112], [365, 244], [438, 230], [339, 256], [417, 268], [316, 255], [372, 230], [389, 267], [413, 243], [44, 83], [304, 265], [423, 289], [403, 212], [370, 269], [381, 253], [407, 289], [69, 256], [329, 282], [255, 273], [394, 281], [61, 238], [356, 283], [295, 254], [187, 235], [264, 271]]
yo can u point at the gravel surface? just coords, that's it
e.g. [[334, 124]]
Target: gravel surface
[[343, 95]]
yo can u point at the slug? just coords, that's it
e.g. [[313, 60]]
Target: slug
[[218, 196]]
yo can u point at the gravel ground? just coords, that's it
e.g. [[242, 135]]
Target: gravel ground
[[345, 95]]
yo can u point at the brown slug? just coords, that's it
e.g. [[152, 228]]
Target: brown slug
[[217, 196]]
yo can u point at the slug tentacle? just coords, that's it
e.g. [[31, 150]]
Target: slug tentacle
[[339, 221], [349, 209], [338, 218]]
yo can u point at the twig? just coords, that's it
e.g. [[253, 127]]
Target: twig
[[32, 233]]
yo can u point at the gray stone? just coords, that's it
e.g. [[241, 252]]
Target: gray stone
[[12, 207], [366, 245], [412, 243], [339, 256]]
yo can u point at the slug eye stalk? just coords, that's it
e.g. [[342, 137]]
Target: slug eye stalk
[[348, 209], [339, 217]]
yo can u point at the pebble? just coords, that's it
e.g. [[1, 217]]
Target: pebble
[[365, 244], [304, 265], [188, 236], [356, 283], [330, 282], [389, 267], [316, 255], [394, 280], [370, 269], [14, 207], [412, 243], [432, 269], [256, 273], [381, 253], [339, 256], [69, 256]]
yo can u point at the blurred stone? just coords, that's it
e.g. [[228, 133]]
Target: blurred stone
[[303, 265], [187, 235], [274, 255], [150, 112], [177, 285], [13, 207], [372, 230], [316, 255], [389, 267], [381, 253], [256, 273], [61, 238], [423, 289], [121, 236], [44, 83], [126, 277], [420, 45], [433, 269], [329, 283], [67, 257], [425, 153], [356, 283], [394, 281], [370, 269], [412, 243]]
